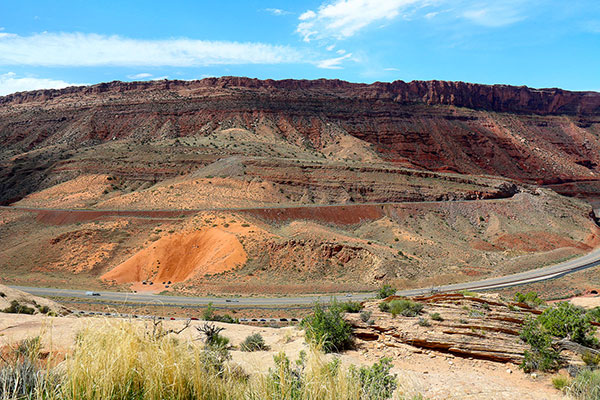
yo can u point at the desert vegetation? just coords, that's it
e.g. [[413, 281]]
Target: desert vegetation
[[128, 360]]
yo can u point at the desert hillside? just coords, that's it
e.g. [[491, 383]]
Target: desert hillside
[[237, 185]]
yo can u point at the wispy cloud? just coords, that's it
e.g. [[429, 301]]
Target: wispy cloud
[[341, 19], [142, 75], [493, 16], [277, 11], [80, 49], [11, 83], [333, 63]]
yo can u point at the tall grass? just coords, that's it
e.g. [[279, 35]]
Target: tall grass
[[126, 361]]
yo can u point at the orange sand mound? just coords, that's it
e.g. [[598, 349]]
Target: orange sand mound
[[180, 256]]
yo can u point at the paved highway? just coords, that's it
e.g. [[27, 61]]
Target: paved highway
[[589, 260]]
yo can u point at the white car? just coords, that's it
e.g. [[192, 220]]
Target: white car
[[92, 294]]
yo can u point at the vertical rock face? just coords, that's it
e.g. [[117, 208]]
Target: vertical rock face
[[544, 136]]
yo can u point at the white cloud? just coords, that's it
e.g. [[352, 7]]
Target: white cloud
[[330, 47], [343, 18], [142, 75], [341, 51], [494, 16], [333, 63], [277, 11], [307, 15], [11, 83], [391, 69], [80, 49]]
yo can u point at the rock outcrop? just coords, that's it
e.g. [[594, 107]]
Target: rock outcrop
[[477, 327]]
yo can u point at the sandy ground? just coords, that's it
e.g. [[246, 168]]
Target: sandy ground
[[435, 375]]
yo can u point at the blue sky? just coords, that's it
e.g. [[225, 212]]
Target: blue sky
[[538, 43]]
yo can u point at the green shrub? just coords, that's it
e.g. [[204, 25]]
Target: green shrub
[[590, 359], [254, 342], [404, 307], [541, 356], [350, 307], [16, 308], [568, 321], [44, 309], [385, 292], [210, 315], [376, 382], [436, 317], [423, 322], [594, 314], [532, 299], [365, 316], [327, 327], [560, 382], [384, 307]]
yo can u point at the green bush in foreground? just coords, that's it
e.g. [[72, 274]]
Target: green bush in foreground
[[327, 328], [376, 382], [404, 307], [16, 308], [531, 298], [568, 321], [385, 292], [541, 356], [350, 306], [254, 342], [560, 382]]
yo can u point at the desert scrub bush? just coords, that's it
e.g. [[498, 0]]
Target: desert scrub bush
[[541, 355], [376, 382], [209, 315], [327, 328], [22, 375], [568, 321], [560, 382], [423, 322], [594, 314], [436, 317], [313, 377], [17, 308], [350, 306], [531, 299], [585, 386], [365, 316], [254, 342], [405, 307], [385, 292]]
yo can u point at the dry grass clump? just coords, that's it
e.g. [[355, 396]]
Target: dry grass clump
[[124, 362]]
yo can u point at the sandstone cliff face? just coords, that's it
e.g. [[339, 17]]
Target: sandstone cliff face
[[542, 136], [500, 98]]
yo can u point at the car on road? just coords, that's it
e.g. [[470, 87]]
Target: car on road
[[90, 293], [231, 301]]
